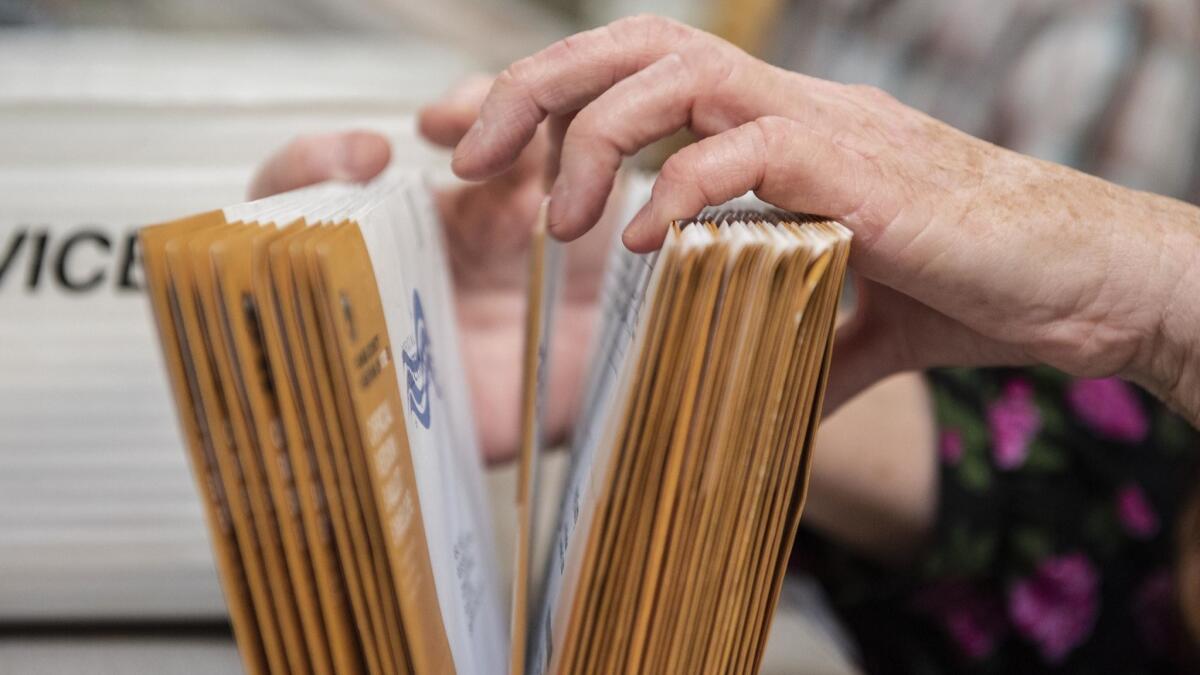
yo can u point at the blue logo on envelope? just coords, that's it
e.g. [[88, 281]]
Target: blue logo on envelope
[[418, 365]]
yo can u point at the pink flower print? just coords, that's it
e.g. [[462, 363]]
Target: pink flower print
[[950, 446], [1136, 514], [1013, 420], [1110, 407], [974, 620], [1056, 607], [1152, 606]]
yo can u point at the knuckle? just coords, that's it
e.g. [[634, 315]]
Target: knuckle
[[576, 44], [514, 74], [678, 68], [703, 60], [637, 22], [677, 169], [771, 130], [649, 25], [587, 128], [471, 88], [506, 78], [571, 43], [715, 67], [871, 93], [475, 81]]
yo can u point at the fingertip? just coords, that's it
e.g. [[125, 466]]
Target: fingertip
[[567, 222], [357, 156], [564, 231], [465, 169], [555, 229], [363, 155], [556, 212], [428, 124], [639, 241], [466, 162], [641, 235], [471, 168], [443, 123], [490, 147]]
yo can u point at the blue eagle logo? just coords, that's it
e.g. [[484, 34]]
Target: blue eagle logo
[[418, 365]]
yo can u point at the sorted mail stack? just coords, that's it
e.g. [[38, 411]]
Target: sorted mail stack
[[313, 353]]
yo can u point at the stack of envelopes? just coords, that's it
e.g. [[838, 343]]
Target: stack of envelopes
[[699, 464], [310, 339], [284, 371]]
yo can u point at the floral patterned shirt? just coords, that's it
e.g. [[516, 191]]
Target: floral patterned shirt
[[1057, 496], [1053, 546]]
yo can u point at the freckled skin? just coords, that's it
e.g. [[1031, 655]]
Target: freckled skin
[[966, 254], [969, 254]]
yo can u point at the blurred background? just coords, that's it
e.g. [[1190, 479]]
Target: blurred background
[[115, 113]]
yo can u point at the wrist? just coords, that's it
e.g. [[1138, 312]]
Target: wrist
[[1169, 363]]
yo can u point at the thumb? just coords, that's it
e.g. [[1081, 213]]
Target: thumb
[[351, 156], [891, 332]]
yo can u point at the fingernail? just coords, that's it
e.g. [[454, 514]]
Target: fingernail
[[557, 214]]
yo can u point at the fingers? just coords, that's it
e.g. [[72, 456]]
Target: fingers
[[632, 82], [445, 121], [705, 90], [635, 112], [781, 160], [559, 80], [631, 115], [348, 156]]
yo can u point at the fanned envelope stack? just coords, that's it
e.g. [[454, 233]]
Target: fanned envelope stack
[[313, 353]]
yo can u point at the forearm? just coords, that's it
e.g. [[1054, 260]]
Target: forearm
[[874, 475], [1169, 364]]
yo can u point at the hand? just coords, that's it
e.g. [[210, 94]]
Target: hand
[[487, 238], [968, 254]]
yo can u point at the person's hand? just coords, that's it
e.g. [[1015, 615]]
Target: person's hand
[[488, 229], [968, 254]]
